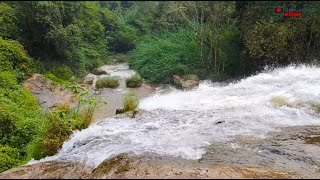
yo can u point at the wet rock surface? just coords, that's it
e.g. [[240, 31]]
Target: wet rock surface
[[48, 170], [98, 71], [114, 97], [186, 81], [126, 166], [49, 95], [286, 151], [283, 154]]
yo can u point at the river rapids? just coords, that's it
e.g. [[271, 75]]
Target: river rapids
[[184, 123]]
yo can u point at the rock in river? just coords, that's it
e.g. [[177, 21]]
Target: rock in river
[[98, 71], [186, 81]]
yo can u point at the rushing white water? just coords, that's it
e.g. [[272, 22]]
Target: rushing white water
[[183, 123]]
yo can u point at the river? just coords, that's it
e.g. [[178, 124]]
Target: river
[[210, 120]]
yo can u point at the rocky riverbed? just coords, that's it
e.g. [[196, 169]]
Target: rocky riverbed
[[290, 153], [114, 97]]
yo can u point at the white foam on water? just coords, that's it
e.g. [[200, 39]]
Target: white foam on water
[[184, 123]]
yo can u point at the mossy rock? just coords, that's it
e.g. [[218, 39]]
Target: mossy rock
[[134, 81], [98, 71], [108, 82]]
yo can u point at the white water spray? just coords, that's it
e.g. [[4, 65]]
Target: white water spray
[[184, 123]]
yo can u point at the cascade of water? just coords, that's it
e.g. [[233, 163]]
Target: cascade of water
[[183, 123]]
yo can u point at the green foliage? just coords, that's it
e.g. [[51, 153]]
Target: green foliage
[[158, 58], [18, 112], [9, 157], [131, 102], [14, 58], [18, 118], [279, 41], [8, 19], [121, 36], [63, 73], [25, 131], [63, 33], [134, 81], [8, 79], [57, 128], [109, 82]]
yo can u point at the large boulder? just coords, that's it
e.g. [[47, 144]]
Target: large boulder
[[89, 79], [186, 82], [48, 94], [99, 71]]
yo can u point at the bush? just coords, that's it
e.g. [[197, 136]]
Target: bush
[[7, 79], [158, 58], [8, 21], [19, 119], [121, 37], [109, 82], [14, 59], [19, 112], [9, 157], [134, 81], [131, 102], [57, 128], [63, 72]]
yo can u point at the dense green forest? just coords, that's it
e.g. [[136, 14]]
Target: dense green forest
[[65, 40]]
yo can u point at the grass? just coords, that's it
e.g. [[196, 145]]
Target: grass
[[57, 128], [157, 58], [134, 81], [131, 102], [108, 82]]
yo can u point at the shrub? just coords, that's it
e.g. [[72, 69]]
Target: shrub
[[131, 102], [7, 79], [14, 59], [8, 21], [19, 119], [134, 81], [158, 58], [109, 82], [57, 128], [63, 72], [19, 112], [9, 157], [121, 37]]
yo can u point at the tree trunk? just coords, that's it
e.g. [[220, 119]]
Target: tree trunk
[[215, 60], [201, 37], [210, 54], [217, 55], [309, 43]]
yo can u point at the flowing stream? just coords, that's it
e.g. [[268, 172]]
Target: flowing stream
[[184, 123]]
